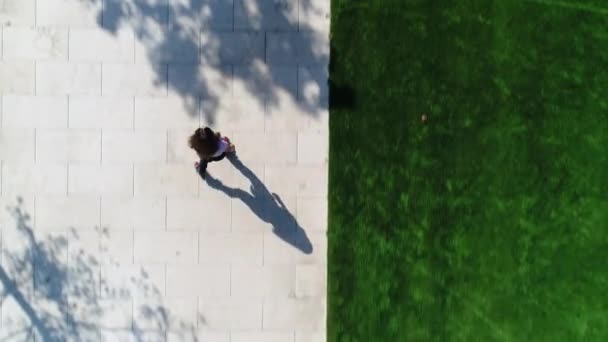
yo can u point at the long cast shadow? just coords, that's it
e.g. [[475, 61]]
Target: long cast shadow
[[265, 205]]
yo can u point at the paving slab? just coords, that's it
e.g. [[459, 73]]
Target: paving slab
[[203, 15], [68, 145], [17, 77], [28, 43], [105, 112], [29, 111], [18, 13], [107, 233], [266, 14]]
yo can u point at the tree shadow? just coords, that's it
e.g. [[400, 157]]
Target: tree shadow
[[269, 50], [51, 291], [267, 206]]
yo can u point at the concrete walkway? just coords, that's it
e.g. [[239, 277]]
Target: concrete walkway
[[108, 234]]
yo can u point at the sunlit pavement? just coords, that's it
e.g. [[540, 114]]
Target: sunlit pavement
[[108, 233]]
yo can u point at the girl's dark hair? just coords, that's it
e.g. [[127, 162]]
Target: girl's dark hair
[[204, 141]]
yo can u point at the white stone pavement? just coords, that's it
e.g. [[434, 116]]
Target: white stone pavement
[[108, 234]]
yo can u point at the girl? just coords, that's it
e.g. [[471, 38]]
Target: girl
[[210, 147]]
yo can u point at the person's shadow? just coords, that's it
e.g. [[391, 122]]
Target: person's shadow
[[267, 206]]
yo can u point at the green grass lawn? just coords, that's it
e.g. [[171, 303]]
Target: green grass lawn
[[488, 222]]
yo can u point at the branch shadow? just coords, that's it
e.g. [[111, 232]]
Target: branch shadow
[[51, 290], [267, 206], [272, 51]]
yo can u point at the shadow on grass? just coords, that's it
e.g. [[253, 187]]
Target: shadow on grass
[[342, 96]]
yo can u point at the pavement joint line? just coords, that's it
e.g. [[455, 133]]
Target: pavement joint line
[[34, 219], [133, 239], [35, 78], [68, 110], [101, 146], [133, 105], [35, 144], [134, 48], [101, 79], [265, 47], [166, 65], [158, 179]]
